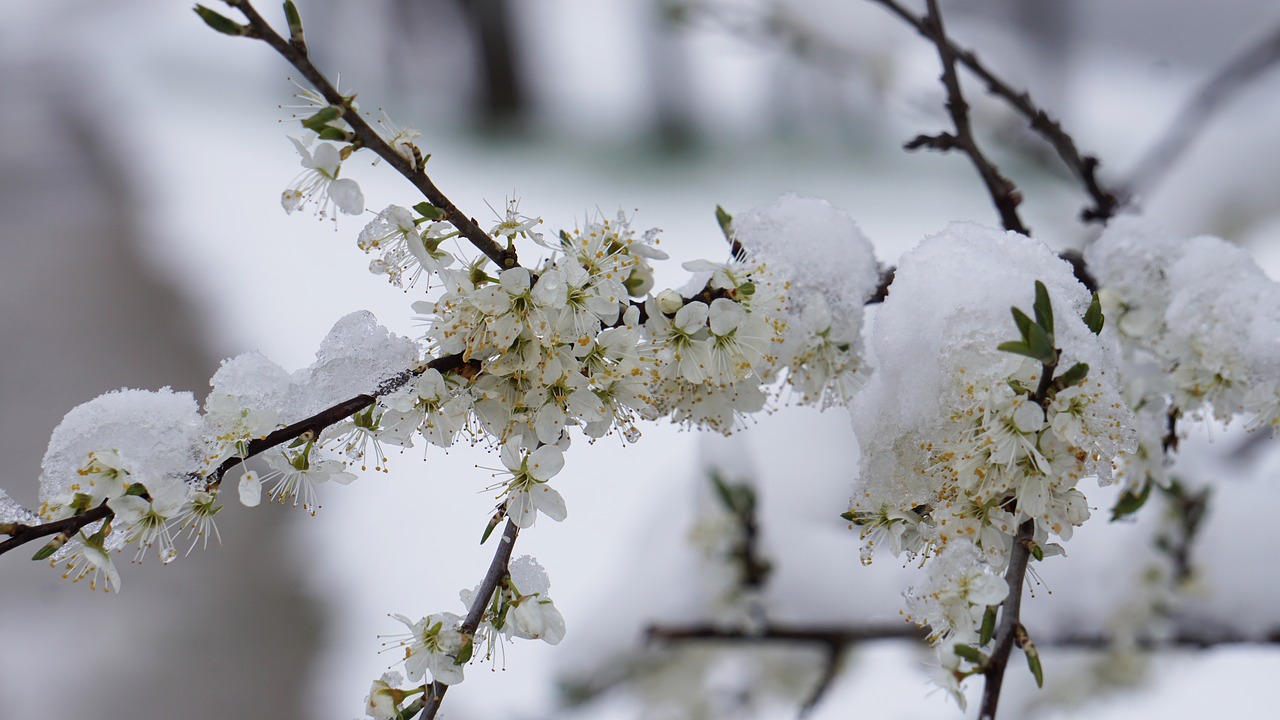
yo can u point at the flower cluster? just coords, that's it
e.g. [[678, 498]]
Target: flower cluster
[[1192, 343], [988, 441]]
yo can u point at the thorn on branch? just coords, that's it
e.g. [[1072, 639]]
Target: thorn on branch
[[941, 142]]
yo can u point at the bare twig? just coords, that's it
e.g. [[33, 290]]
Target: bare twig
[[1211, 97], [412, 170], [1083, 167], [1194, 636], [1002, 191]]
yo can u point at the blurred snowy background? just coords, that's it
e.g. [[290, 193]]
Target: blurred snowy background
[[141, 240]]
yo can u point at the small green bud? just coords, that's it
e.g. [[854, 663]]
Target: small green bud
[[51, 547], [725, 221], [295, 23], [222, 24], [988, 625], [429, 211], [971, 653]]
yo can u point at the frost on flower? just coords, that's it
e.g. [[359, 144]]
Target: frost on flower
[[957, 450]]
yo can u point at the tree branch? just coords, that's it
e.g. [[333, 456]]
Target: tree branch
[[315, 424], [296, 54], [1019, 556], [497, 571], [1002, 191], [1083, 167], [843, 635]]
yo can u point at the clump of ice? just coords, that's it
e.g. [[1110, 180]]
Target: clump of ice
[[529, 576], [356, 357], [156, 433], [11, 511], [249, 380]]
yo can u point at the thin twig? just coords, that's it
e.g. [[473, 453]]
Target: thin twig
[[1083, 167], [843, 636], [1002, 191], [296, 55], [480, 602], [1211, 97]]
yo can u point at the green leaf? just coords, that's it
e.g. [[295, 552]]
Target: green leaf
[[333, 133], [1018, 347], [850, 516], [1074, 376], [747, 289], [322, 118], [429, 211], [725, 220], [988, 625], [295, 22], [1044, 309], [493, 523], [1033, 656], [971, 653], [1033, 661], [1130, 502], [1022, 321], [222, 24], [1041, 345], [722, 490], [1093, 316]]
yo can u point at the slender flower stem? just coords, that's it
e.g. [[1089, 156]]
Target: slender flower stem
[[296, 55]]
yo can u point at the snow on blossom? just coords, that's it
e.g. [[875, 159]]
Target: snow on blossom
[[535, 616], [155, 435], [955, 449], [831, 271]]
